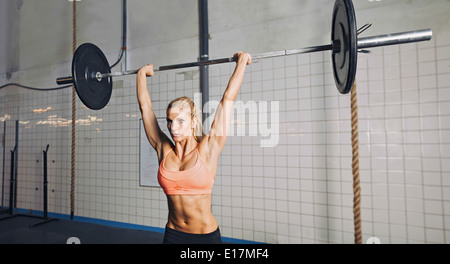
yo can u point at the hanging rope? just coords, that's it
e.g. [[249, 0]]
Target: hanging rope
[[355, 167], [72, 163]]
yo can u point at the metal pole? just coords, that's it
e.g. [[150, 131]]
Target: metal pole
[[11, 182], [163, 68], [368, 42], [204, 53], [395, 39], [4, 154], [16, 163], [45, 182], [272, 54]]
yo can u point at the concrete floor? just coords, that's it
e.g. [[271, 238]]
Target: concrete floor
[[19, 230]]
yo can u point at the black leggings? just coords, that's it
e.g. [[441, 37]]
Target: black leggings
[[172, 236]]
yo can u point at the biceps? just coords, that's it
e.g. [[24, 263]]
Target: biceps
[[222, 120]]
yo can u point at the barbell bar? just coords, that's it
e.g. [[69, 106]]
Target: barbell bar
[[363, 43], [223, 60], [92, 77]]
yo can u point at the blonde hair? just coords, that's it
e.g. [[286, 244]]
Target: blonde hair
[[196, 115]]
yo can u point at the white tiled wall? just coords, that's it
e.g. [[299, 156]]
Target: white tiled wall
[[299, 191]]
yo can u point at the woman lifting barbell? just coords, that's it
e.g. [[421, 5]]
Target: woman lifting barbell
[[187, 168]]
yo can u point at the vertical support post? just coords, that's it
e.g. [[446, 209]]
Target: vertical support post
[[204, 53], [45, 183], [4, 158], [124, 33], [16, 163], [11, 184]]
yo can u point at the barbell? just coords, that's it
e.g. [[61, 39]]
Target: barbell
[[92, 77]]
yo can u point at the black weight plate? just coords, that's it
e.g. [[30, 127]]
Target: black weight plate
[[87, 61], [344, 31]]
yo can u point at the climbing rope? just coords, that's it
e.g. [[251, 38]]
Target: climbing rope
[[72, 171], [355, 168]]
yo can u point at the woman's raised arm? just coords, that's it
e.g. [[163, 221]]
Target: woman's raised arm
[[154, 133], [221, 124]]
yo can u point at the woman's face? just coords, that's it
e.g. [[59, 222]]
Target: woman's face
[[180, 123]]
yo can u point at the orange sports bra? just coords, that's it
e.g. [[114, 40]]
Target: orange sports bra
[[194, 181]]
